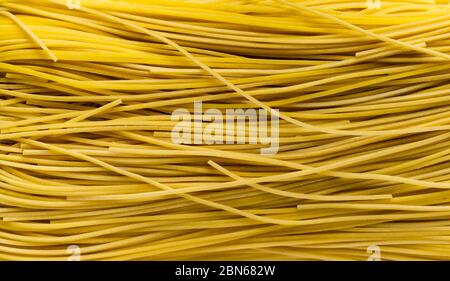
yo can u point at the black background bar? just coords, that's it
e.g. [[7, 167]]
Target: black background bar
[[150, 271]]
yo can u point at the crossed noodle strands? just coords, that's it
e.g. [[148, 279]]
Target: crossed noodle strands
[[86, 156]]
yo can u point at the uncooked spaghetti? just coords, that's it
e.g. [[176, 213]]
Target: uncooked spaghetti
[[360, 93]]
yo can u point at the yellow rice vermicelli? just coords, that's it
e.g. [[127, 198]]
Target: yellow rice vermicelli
[[362, 96]]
